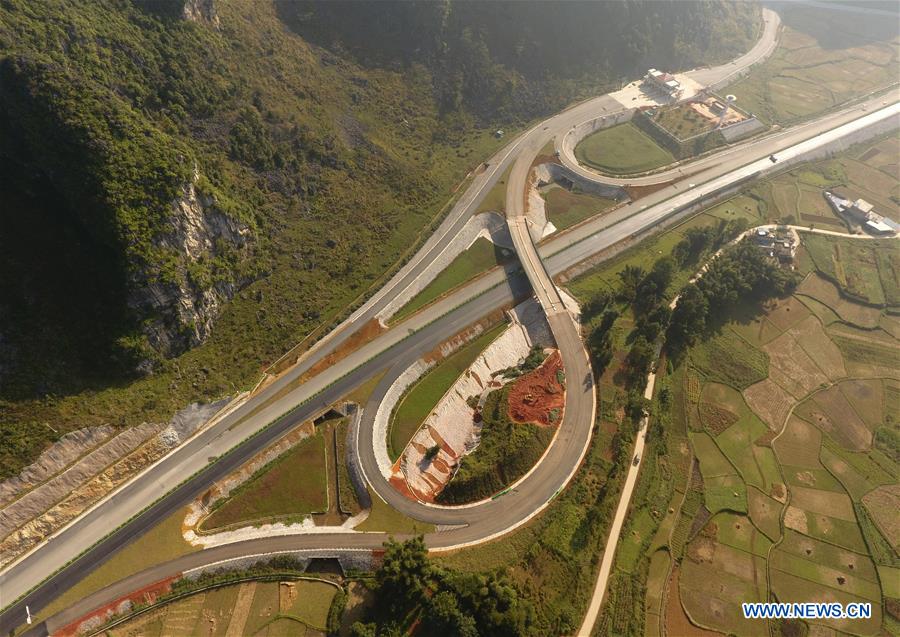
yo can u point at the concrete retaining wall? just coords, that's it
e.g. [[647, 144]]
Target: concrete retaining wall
[[350, 559], [553, 172], [490, 225], [352, 459], [741, 129], [576, 134]]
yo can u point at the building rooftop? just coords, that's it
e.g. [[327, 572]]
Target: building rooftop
[[863, 206]]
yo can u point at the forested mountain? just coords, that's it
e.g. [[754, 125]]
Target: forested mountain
[[187, 188], [508, 58]]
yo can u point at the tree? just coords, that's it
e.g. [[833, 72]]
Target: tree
[[653, 323], [688, 319], [630, 277], [445, 617], [404, 575], [652, 288], [639, 360]]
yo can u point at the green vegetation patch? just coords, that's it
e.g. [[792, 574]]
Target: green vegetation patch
[[828, 555], [683, 121], [890, 580], [418, 401], [294, 484], [738, 532], [859, 267], [346, 493], [725, 493], [715, 580], [713, 462], [495, 199], [810, 477], [789, 586], [622, 150], [862, 351], [732, 360], [765, 512], [480, 257], [842, 578], [756, 464], [835, 530], [311, 601], [507, 451], [565, 208], [384, 517]]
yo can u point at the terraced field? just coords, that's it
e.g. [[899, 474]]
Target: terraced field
[[791, 415], [260, 609], [823, 60]]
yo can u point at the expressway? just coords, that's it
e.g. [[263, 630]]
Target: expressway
[[395, 361], [278, 403]]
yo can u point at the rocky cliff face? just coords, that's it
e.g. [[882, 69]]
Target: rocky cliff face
[[201, 11], [183, 300]]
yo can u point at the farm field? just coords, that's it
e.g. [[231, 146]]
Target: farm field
[[782, 419], [422, 397], [782, 410], [279, 490], [480, 257], [622, 150], [822, 60], [867, 171], [257, 609], [565, 208], [683, 121]]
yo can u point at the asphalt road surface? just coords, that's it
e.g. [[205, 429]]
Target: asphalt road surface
[[516, 503]]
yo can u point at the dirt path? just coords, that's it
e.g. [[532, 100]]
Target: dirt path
[[241, 610]]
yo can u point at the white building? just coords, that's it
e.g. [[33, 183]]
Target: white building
[[664, 82]]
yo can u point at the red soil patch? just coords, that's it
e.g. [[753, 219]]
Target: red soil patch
[[538, 394], [359, 338], [398, 481], [147, 595]]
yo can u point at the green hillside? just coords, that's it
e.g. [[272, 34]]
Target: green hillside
[[189, 188]]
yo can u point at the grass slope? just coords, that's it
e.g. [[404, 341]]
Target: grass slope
[[481, 256], [292, 484], [621, 150]]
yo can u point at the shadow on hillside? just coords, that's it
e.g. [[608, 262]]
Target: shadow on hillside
[[62, 296]]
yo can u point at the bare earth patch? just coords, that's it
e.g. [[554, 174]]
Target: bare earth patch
[[883, 504], [770, 402], [539, 397], [795, 518], [791, 367], [815, 342]]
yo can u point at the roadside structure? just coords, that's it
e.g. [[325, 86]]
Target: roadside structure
[[663, 82], [862, 213]]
